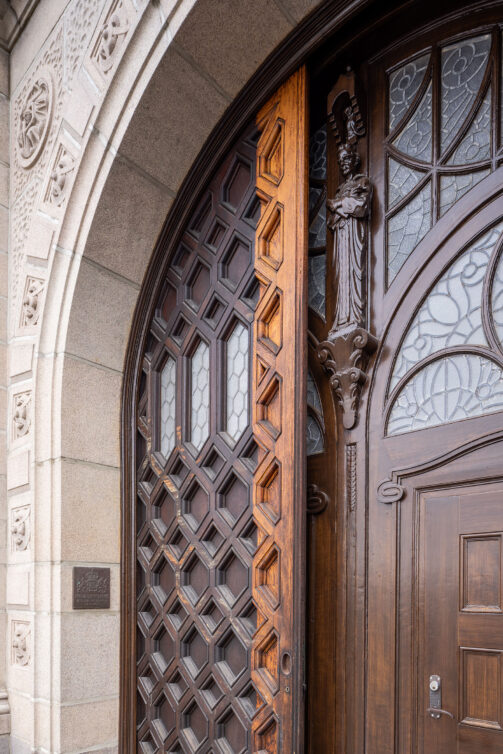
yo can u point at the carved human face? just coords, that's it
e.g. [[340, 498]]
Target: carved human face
[[348, 160]]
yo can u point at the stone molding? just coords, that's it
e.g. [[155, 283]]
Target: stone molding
[[13, 21]]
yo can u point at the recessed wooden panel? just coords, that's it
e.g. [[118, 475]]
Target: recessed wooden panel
[[270, 324], [481, 688], [481, 569]]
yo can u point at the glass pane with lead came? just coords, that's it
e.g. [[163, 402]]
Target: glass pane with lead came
[[456, 387], [404, 84], [237, 381], [168, 407], [200, 396], [463, 67]]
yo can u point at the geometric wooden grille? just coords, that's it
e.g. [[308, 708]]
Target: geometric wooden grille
[[220, 459], [195, 533]]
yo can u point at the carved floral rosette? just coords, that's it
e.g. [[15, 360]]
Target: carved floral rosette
[[34, 120]]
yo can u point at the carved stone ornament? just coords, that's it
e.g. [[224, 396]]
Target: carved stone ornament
[[21, 638], [317, 499], [20, 528], [389, 492], [59, 182], [34, 121], [31, 305], [346, 353], [21, 415], [112, 35]]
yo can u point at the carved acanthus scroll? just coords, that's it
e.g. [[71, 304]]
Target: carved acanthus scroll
[[346, 352]]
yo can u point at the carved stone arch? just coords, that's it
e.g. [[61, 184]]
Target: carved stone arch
[[106, 231]]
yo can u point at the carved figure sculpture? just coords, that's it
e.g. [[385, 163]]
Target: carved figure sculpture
[[348, 213], [346, 352]]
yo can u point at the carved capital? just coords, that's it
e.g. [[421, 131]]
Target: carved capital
[[317, 499], [345, 357]]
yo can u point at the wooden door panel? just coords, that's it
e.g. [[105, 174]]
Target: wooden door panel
[[217, 524], [460, 568], [279, 394], [435, 502]]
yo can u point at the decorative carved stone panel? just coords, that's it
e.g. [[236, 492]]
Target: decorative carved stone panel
[[20, 528], [20, 643]]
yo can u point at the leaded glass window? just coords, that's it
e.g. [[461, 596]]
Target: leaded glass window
[[237, 381], [449, 364], [168, 407], [200, 395], [427, 176], [317, 221], [314, 440]]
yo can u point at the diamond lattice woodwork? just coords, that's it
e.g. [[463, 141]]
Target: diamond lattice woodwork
[[218, 468], [196, 535]]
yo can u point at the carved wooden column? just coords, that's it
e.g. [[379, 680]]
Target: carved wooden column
[[345, 356]]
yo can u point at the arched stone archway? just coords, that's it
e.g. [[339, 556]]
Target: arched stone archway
[[128, 115]]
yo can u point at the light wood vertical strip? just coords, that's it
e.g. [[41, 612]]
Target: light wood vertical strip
[[279, 400]]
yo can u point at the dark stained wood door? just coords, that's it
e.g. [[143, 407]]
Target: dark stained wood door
[[461, 602], [414, 359]]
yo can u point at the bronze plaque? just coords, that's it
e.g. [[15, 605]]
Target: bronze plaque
[[91, 588]]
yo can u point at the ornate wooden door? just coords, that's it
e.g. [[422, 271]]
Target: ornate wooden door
[[434, 408], [216, 581]]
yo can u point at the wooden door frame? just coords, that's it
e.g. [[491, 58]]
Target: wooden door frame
[[333, 19]]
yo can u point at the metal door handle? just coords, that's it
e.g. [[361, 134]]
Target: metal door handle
[[436, 712]]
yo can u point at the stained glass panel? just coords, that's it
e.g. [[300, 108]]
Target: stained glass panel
[[406, 228], [401, 181], [318, 154], [404, 84], [415, 138], [313, 396], [237, 381], [451, 315], [200, 396], [316, 283], [453, 187], [463, 67], [455, 387], [318, 229], [497, 299], [476, 144], [168, 407], [314, 439]]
